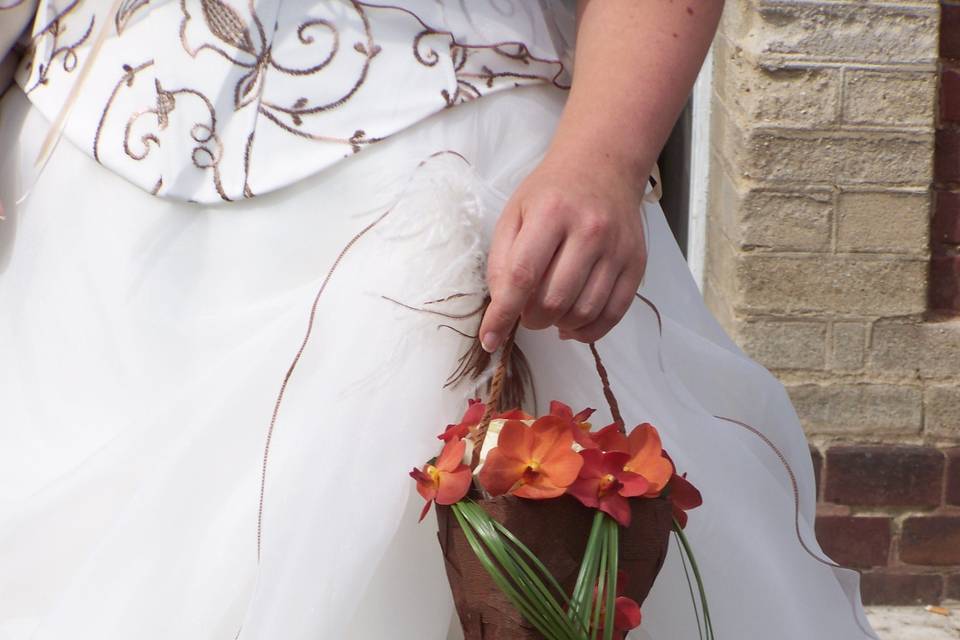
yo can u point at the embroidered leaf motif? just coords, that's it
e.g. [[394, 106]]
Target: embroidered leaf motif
[[126, 11], [248, 88], [166, 102], [226, 24]]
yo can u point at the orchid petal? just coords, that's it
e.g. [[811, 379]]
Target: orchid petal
[[501, 472], [586, 491], [626, 614], [454, 485], [452, 455], [611, 438], [617, 507], [633, 484]]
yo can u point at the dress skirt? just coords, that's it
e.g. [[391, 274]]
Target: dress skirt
[[207, 412]]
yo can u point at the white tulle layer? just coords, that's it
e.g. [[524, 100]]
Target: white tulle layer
[[143, 344]]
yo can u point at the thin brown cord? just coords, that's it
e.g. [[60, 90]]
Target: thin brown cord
[[607, 391], [296, 360], [493, 397], [306, 339], [451, 316]]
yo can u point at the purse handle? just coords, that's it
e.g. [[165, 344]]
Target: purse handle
[[492, 403]]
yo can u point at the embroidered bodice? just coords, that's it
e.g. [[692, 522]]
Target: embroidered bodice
[[210, 100]]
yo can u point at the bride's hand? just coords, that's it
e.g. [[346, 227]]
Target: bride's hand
[[568, 251]]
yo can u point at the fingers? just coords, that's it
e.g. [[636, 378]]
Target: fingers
[[616, 307], [562, 284], [517, 262], [593, 298]]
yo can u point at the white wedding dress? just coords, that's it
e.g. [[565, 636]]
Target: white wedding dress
[[160, 359]]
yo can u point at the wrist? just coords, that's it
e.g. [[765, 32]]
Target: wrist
[[625, 166]]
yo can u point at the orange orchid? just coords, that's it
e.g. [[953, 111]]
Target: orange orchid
[[646, 453], [470, 419], [446, 480], [532, 462]]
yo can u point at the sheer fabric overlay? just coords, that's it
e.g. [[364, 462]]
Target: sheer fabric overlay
[[145, 343]]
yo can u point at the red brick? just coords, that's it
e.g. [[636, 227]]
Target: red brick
[[884, 475], [931, 540], [953, 476], [944, 287], [945, 227], [949, 93], [817, 459], [950, 31], [946, 162], [881, 587], [952, 591], [855, 542]]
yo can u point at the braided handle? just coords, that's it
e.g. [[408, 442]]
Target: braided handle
[[492, 403]]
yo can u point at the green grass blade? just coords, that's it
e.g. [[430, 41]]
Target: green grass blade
[[582, 597], [515, 577], [598, 599], [613, 567], [707, 622]]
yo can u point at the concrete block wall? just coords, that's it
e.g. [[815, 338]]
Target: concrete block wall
[[819, 259]]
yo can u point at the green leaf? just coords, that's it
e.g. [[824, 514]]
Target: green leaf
[[519, 581], [686, 548]]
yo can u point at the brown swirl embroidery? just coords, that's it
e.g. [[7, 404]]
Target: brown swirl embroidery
[[233, 40], [126, 11], [56, 29], [207, 150]]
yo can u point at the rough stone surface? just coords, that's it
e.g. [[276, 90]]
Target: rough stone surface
[[858, 408], [786, 345], [848, 346], [884, 222], [889, 98], [855, 32], [923, 349], [941, 411], [834, 284]]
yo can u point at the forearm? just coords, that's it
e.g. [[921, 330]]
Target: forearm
[[636, 61]]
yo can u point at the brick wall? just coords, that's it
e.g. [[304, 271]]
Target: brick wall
[[818, 255], [945, 228]]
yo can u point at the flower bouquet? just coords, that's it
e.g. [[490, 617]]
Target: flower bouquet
[[550, 529]]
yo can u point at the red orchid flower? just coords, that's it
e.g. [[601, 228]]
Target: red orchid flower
[[579, 426], [470, 419], [445, 481], [647, 457], [626, 611], [532, 462], [684, 497], [603, 484]]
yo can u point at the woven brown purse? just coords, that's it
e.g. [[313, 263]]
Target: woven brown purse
[[555, 530]]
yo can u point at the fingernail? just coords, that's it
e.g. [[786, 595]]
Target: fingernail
[[490, 341]]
